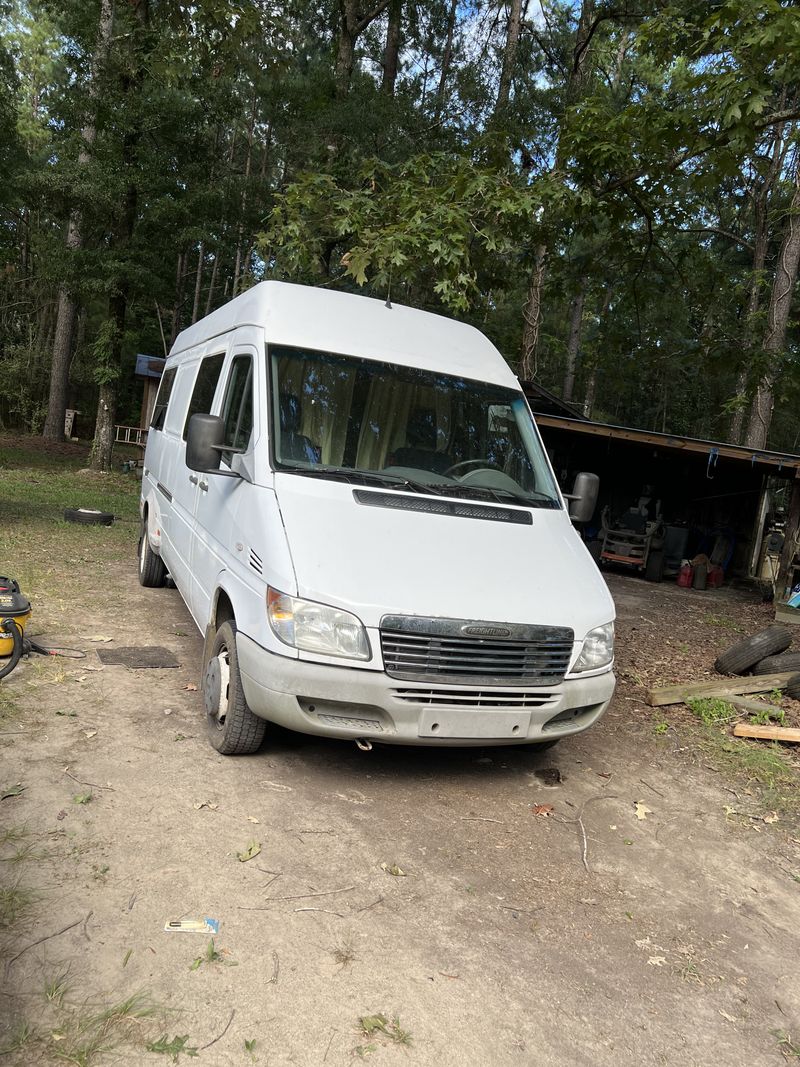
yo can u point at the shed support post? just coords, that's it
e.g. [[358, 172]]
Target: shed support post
[[791, 544]]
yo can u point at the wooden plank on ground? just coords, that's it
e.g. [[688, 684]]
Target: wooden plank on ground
[[767, 733], [759, 683], [753, 706]]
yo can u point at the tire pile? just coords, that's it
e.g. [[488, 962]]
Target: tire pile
[[763, 653]]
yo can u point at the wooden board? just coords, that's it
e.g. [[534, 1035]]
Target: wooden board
[[767, 733], [753, 706], [759, 683]]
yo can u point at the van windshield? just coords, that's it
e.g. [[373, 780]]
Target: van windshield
[[380, 423]]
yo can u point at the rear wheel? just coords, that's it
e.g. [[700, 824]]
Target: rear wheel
[[152, 572], [233, 729]]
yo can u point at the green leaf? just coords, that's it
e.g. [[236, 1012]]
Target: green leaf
[[249, 853]]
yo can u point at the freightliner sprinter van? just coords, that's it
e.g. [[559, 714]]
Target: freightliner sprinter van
[[353, 500]]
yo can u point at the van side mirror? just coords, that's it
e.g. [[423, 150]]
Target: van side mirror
[[203, 440], [583, 498]]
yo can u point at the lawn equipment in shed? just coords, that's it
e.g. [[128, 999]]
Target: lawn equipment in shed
[[633, 540], [15, 613]]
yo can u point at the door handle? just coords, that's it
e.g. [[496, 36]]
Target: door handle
[[204, 486], [193, 479]]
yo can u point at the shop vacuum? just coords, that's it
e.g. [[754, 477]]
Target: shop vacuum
[[15, 611]]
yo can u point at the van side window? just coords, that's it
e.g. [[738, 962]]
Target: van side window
[[164, 393], [237, 408], [204, 388]]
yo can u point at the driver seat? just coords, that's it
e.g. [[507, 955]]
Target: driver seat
[[419, 450]]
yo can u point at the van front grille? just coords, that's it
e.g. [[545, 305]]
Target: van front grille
[[474, 698], [426, 649]]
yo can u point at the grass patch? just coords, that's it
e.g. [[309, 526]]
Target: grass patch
[[756, 762], [712, 710], [16, 902], [344, 952], [212, 955], [175, 1046], [43, 552], [379, 1026], [725, 622]]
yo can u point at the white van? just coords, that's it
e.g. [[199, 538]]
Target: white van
[[355, 504]]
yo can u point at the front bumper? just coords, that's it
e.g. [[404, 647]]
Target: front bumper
[[353, 703]]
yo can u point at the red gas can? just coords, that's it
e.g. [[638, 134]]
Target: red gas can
[[685, 575]]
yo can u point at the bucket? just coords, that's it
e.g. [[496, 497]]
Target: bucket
[[13, 605]]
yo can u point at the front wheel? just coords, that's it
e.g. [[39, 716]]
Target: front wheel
[[152, 572], [233, 729]]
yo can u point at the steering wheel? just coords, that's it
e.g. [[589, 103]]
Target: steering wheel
[[485, 464]]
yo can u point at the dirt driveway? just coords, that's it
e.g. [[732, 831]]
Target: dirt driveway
[[675, 943]]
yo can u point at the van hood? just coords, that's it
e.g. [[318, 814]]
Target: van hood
[[376, 561]]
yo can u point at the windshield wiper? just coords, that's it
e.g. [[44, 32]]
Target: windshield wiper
[[354, 477], [535, 500]]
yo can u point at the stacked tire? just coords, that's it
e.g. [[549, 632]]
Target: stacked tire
[[762, 653]]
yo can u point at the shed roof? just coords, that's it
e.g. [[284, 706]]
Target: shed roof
[[777, 462]]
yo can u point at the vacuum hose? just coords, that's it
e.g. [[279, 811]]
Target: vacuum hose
[[10, 627]]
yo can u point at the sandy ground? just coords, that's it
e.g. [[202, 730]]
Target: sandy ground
[[678, 945]]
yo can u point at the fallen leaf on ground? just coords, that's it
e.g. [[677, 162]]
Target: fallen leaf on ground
[[542, 809], [99, 640], [657, 961], [393, 869], [249, 853], [88, 734], [771, 816], [12, 791], [252, 818], [642, 810], [725, 1015], [191, 687], [205, 804]]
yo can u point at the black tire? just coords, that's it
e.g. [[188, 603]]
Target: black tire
[[152, 572], [233, 730], [654, 568], [746, 653], [88, 516], [788, 661]]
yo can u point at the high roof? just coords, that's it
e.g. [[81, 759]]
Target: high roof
[[306, 317]]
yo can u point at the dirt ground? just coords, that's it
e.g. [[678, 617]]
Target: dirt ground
[[676, 943]]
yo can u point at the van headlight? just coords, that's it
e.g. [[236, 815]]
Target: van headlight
[[598, 649], [316, 627]]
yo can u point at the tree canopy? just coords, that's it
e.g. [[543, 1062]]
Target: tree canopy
[[609, 190]]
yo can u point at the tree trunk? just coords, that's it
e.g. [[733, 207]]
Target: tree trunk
[[352, 23], [574, 339], [212, 284], [180, 276], [509, 56], [243, 204], [532, 314], [198, 282], [118, 301], [591, 381], [67, 304], [760, 248], [447, 57], [532, 311], [780, 306], [103, 442], [391, 52]]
